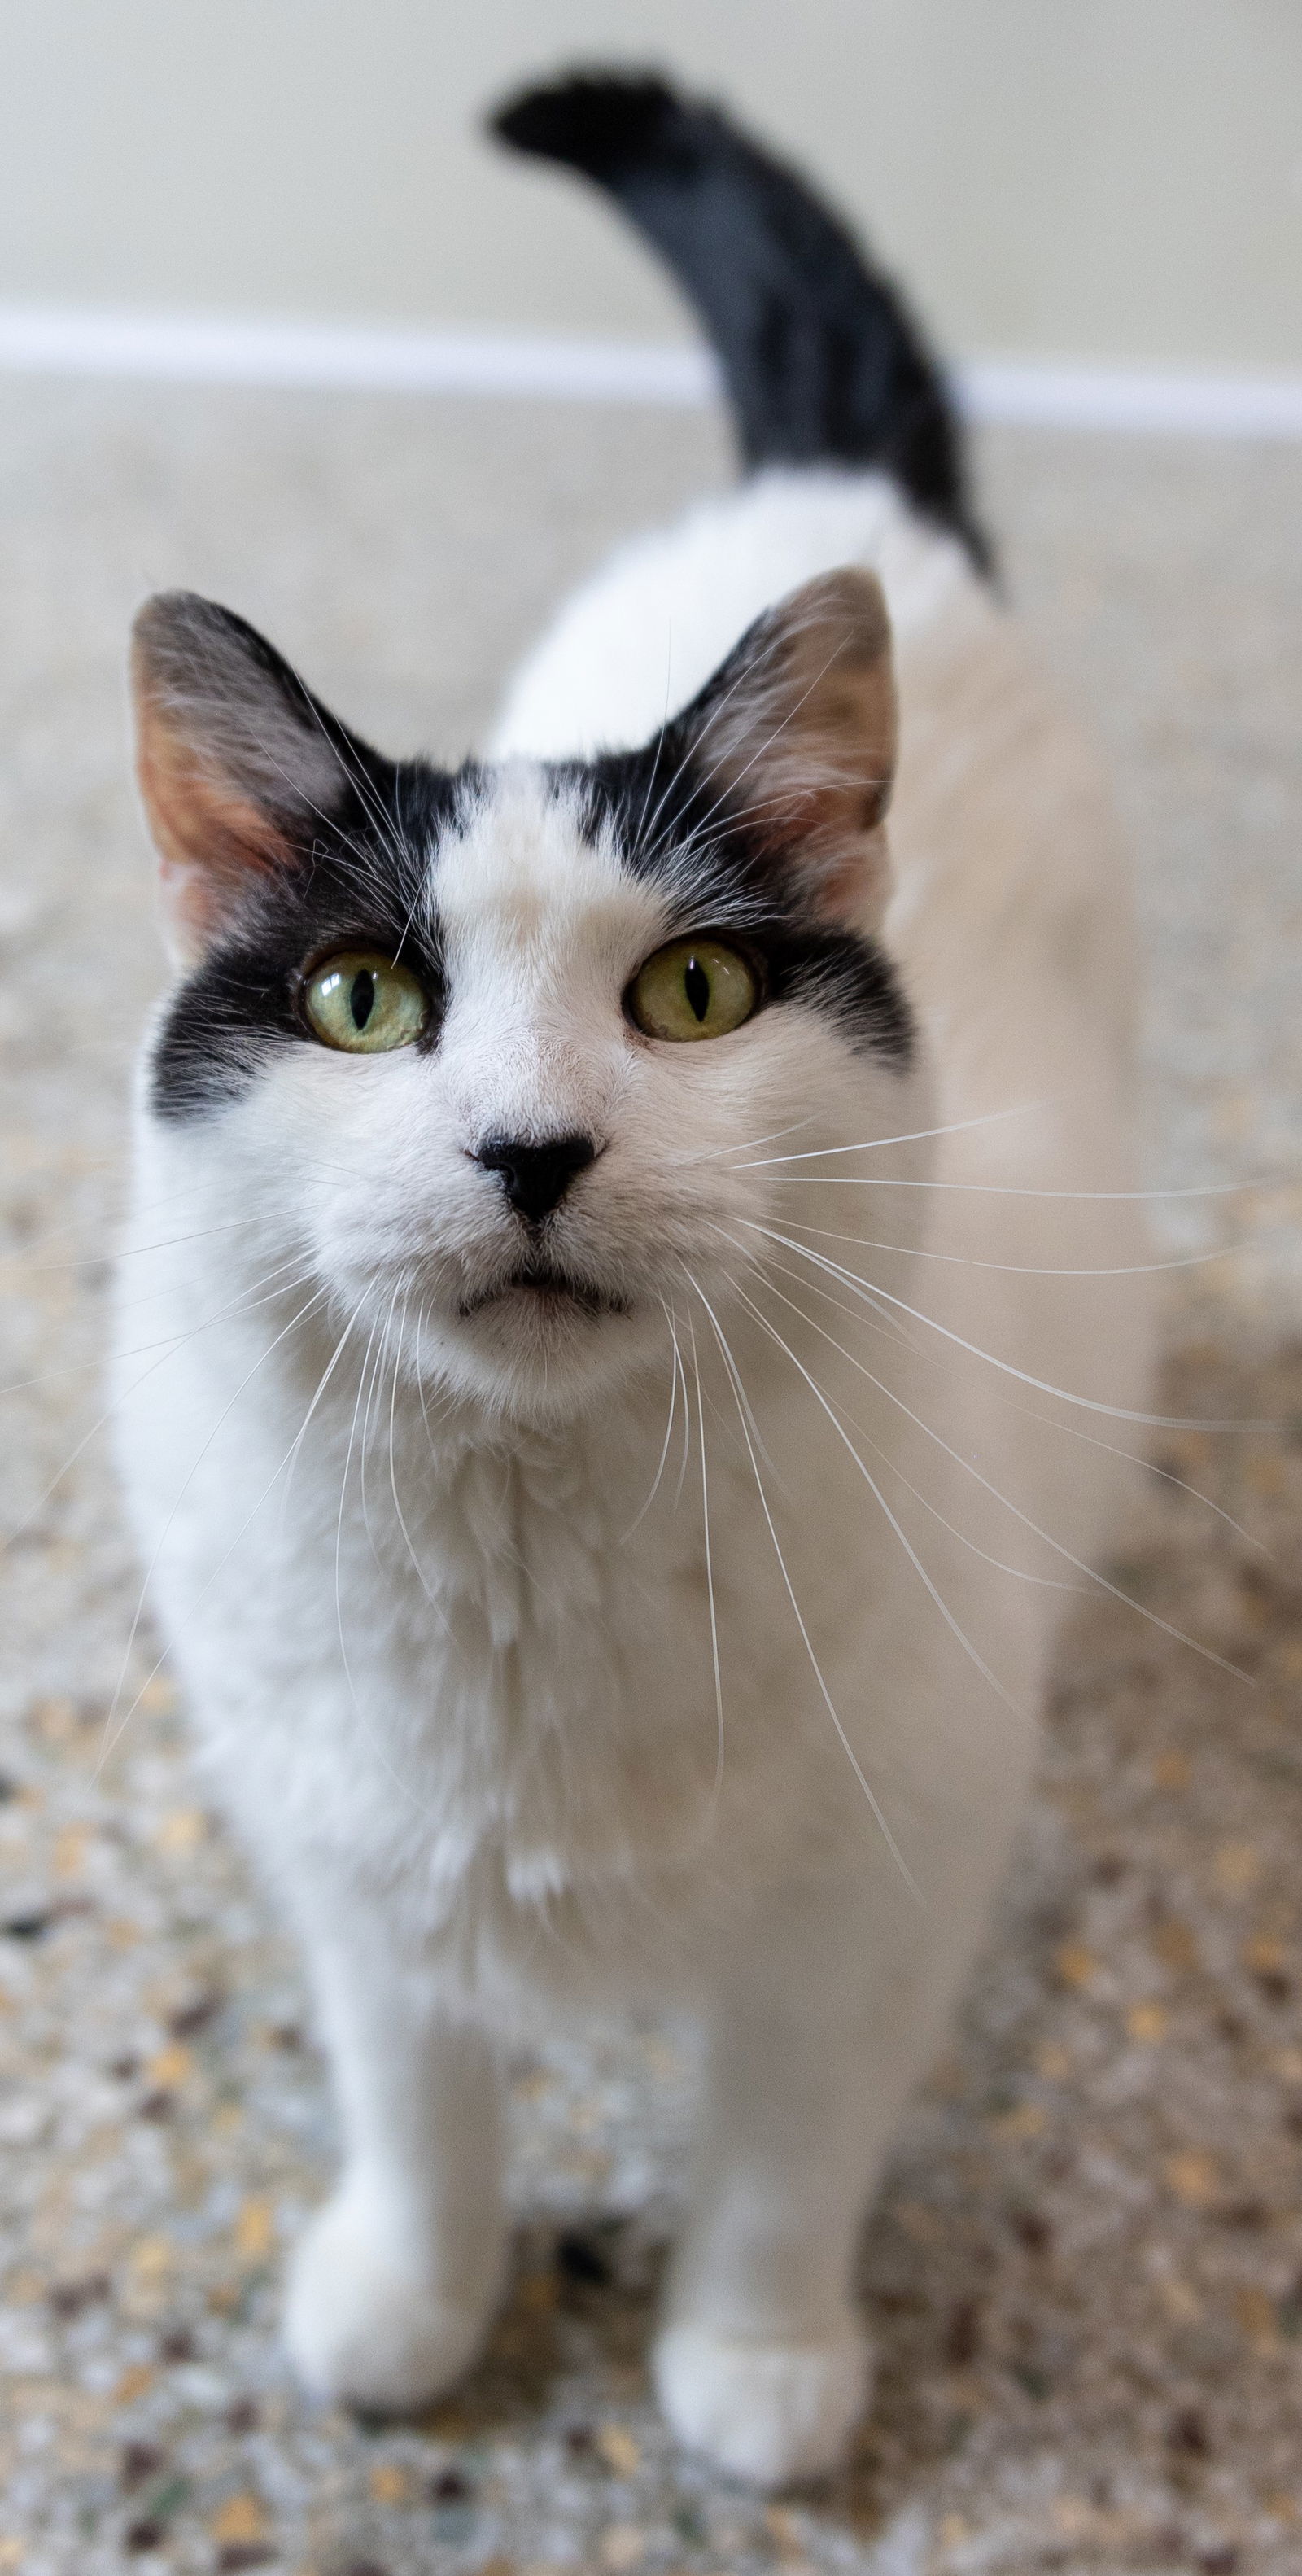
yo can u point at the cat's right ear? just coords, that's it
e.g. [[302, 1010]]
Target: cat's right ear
[[239, 766], [798, 726]]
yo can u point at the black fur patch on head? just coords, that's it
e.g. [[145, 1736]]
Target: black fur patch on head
[[363, 879], [358, 883], [669, 824]]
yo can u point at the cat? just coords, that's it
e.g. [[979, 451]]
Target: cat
[[617, 1232]]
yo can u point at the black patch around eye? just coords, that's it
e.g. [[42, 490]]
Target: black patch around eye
[[360, 884], [670, 824]]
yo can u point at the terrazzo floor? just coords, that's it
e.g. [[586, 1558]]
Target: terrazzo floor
[[1085, 2275]]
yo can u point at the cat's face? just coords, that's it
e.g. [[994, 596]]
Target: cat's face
[[502, 1060]]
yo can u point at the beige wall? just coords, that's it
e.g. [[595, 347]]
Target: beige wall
[[1095, 179]]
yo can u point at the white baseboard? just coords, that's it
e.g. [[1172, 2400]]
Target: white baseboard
[[1134, 398], [208, 350]]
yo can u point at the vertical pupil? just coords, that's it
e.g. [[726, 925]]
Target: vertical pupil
[[696, 985], [361, 997]]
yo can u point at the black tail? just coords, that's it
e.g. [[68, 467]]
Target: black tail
[[821, 361]]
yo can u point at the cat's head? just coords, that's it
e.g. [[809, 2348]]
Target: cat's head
[[503, 1058]]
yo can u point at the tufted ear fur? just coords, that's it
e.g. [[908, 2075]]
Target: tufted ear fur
[[798, 726], [239, 765]]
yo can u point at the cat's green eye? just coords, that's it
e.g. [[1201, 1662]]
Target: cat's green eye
[[365, 1004], [694, 988]]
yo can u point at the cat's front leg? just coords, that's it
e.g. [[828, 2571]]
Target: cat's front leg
[[393, 2285], [820, 2029]]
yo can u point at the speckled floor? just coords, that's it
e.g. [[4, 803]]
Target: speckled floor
[[1085, 2277]]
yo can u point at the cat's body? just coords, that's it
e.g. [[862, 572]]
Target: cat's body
[[547, 1671]]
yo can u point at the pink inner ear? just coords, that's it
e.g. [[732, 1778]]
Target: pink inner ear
[[210, 838], [808, 739]]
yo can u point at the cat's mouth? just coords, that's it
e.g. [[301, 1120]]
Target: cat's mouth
[[545, 1288]]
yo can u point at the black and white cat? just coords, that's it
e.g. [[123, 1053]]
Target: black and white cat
[[617, 1237]]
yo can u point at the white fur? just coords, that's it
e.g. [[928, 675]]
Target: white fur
[[453, 1671]]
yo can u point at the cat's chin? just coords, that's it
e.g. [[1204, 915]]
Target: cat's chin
[[541, 1352]]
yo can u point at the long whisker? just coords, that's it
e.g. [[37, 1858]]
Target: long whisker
[[126, 1252], [113, 1735], [709, 1566], [1092, 1572], [364, 1388], [916, 1136], [1070, 1430], [82, 1168], [685, 1460], [1167, 1475], [1023, 1269], [166, 1342], [1049, 1582], [373, 1389], [828, 1702], [435, 1605], [168, 1350], [150, 1296], [291, 1458], [420, 1390], [714, 1153], [363, 1382], [910, 1551], [1043, 1386], [1007, 1189], [669, 1430], [290, 1454], [895, 1332]]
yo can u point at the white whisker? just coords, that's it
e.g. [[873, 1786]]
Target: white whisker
[[1010, 1190], [916, 1136], [1049, 1582], [709, 1566], [1069, 1430], [113, 1735], [828, 1702], [1167, 1475], [1026, 1269], [1092, 1572], [169, 1343], [1042, 1386], [167, 1351], [910, 1551], [669, 1431], [419, 1570]]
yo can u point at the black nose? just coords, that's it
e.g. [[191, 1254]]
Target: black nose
[[536, 1177]]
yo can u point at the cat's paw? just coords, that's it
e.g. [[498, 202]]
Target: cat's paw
[[364, 2325], [766, 2412]]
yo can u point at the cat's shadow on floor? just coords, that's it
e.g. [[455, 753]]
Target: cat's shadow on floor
[[572, 2340], [568, 2360]]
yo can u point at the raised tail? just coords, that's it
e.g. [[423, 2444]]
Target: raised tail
[[821, 361]]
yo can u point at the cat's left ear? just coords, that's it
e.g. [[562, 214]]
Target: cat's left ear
[[798, 728], [239, 765]]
